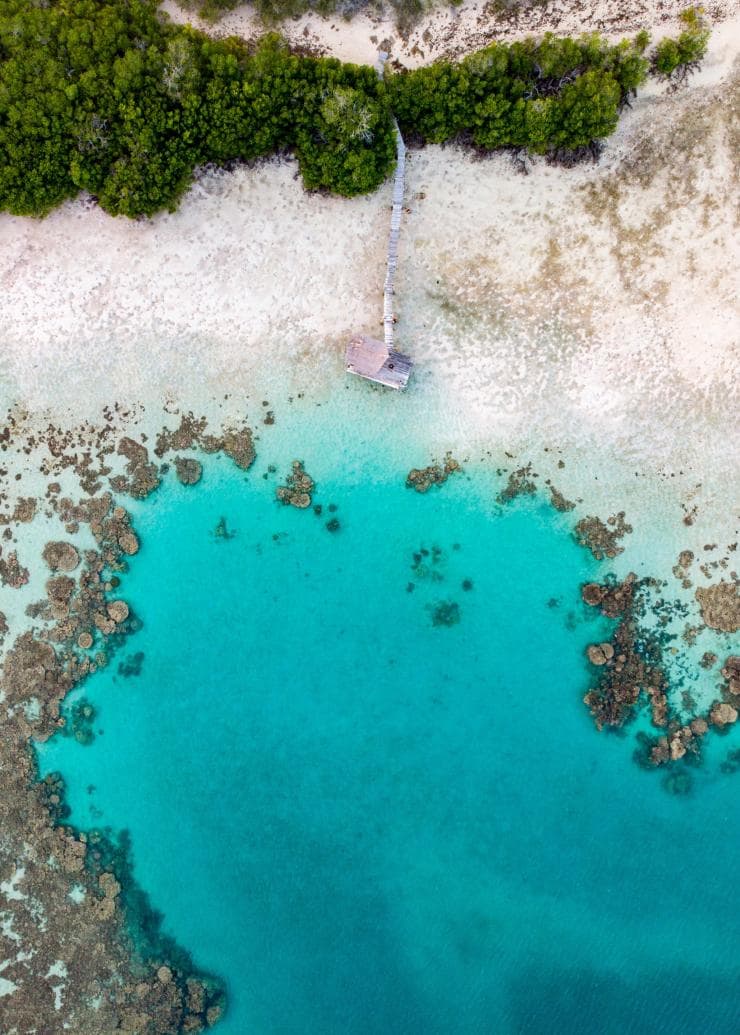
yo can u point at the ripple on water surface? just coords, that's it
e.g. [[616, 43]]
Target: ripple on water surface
[[362, 787]]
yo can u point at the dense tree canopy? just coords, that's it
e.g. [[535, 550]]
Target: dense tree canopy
[[546, 95], [110, 97]]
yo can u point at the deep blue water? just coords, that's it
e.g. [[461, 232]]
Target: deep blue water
[[367, 823]]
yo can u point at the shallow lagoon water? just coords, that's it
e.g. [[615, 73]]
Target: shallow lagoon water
[[368, 823]]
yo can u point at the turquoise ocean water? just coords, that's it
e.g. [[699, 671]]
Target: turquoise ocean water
[[368, 823]]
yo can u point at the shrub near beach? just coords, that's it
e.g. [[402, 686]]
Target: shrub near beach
[[676, 58]]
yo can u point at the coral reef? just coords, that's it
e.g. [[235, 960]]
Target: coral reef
[[132, 665], [611, 597], [520, 483], [731, 673], [236, 443], [23, 511], [720, 605], [559, 501], [631, 667], [629, 664], [445, 612], [222, 531], [81, 718], [80, 904], [426, 563], [681, 568], [188, 470], [722, 714], [602, 539], [61, 556], [12, 572], [297, 489], [142, 477], [421, 479], [600, 653]]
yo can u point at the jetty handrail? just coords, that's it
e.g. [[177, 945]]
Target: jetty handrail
[[396, 211]]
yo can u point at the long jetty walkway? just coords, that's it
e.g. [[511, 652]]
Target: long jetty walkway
[[395, 214], [392, 262], [369, 358]]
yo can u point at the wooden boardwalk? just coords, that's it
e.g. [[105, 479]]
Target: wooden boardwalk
[[392, 261], [375, 360]]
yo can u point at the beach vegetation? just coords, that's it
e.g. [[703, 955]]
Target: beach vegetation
[[345, 142], [210, 10], [544, 96], [112, 98]]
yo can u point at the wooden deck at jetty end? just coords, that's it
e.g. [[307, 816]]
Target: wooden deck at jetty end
[[373, 360]]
